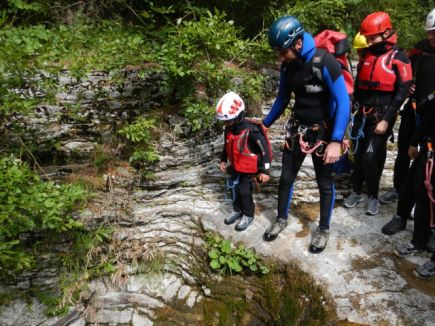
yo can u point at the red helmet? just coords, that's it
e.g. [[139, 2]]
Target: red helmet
[[375, 23]]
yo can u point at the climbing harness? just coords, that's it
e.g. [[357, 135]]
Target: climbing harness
[[230, 186], [427, 181], [318, 147], [360, 132]]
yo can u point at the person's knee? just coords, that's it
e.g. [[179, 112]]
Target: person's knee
[[245, 192], [286, 178], [368, 160], [325, 186]]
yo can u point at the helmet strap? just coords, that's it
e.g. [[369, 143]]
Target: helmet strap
[[386, 36]]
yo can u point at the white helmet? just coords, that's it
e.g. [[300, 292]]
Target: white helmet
[[229, 107], [430, 21]]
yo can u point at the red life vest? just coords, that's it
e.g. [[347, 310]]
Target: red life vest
[[377, 72], [239, 155]]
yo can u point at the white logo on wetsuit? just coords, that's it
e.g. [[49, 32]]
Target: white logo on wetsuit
[[313, 88]]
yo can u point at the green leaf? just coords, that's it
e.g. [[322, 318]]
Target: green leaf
[[264, 269], [214, 264], [234, 265], [226, 246], [213, 254]]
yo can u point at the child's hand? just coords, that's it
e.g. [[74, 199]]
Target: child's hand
[[223, 167], [262, 178]]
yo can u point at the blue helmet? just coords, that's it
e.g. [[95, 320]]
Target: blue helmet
[[284, 32]]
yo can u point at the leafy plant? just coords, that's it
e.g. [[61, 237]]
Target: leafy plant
[[29, 206], [139, 135], [226, 258]]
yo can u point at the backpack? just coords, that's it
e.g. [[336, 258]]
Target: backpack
[[338, 45], [263, 131]]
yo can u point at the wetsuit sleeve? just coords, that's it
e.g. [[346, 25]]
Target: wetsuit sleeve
[[281, 101], [340, 102], [403, 71], [257, 139], [426, 128], [224, 156]]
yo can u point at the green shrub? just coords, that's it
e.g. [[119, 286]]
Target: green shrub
[[29, 206], [139, 136], [207, 52], [407, 16]]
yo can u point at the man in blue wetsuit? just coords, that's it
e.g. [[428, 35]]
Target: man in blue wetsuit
[[317, 124]]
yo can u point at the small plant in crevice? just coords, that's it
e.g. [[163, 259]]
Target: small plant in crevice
[[139, 135], [227, 258], [102, 157]]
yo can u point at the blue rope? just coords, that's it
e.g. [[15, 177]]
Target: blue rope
[[359, 134], [231, 184]]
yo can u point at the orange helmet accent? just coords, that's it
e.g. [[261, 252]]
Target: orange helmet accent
[[375, 23]]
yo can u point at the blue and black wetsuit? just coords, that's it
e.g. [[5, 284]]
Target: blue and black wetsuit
[[316, 102]]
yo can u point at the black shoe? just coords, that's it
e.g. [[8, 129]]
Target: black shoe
[[395, 225], [273, 231]]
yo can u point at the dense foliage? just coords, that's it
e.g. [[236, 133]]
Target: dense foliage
[[31, 209], [201, 45]]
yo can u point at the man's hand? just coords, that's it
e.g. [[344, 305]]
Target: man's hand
[[332, 153], [412, 152], [411, 90], [262, 177], [223, 167], [381, 127]]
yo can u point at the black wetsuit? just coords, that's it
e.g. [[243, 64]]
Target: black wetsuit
[[425, 84], [423, 62], [370, 156]]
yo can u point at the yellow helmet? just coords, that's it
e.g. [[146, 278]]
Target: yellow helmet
[[359, 42]]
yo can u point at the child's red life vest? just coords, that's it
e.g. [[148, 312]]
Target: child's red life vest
[[241, 158]]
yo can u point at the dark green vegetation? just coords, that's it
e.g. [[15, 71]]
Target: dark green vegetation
[[37, 228], [30, 209], [204, 48]]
